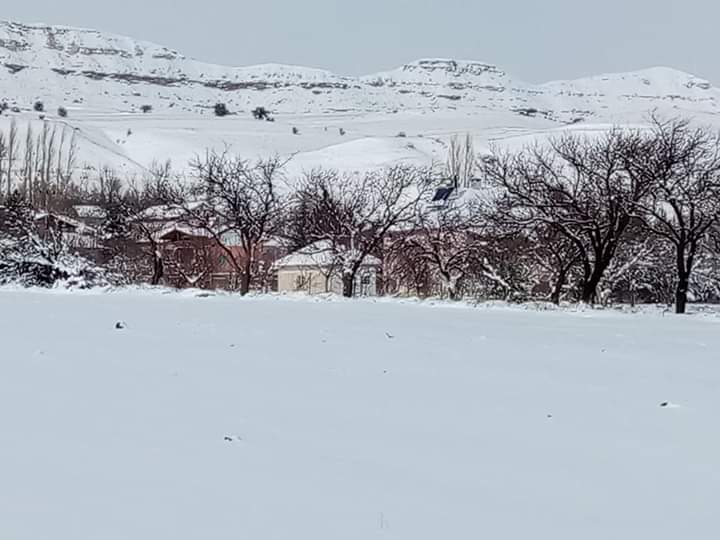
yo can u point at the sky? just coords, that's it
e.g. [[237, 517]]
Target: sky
[[534, 41]]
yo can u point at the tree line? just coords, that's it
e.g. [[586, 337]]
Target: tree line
[[626, 215]]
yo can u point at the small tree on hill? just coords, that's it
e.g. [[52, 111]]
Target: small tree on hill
[[261, 113], [221, 109]]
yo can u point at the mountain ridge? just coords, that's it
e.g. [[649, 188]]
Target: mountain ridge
[[132, 102], [107, 71]]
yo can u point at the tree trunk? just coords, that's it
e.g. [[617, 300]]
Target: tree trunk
[[589, 291], [681, 294], [557, 289], [245, 278], [158, 269], [449, 285], [348, 280], [589, 288]]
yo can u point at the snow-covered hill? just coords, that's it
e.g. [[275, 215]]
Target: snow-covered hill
[[104, 80]]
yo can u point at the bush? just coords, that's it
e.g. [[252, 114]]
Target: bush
[[221, 109], [146, 108], [295, 131], [62, 112], [33, 257], [261, 113], [31, 261], [38, 106], [402, 134], [342, 131]]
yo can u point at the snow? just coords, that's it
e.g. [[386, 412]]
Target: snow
[[89, 211], [221, 417], [320, 254], [103, 80]]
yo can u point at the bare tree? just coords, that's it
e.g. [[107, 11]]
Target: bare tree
[[355, 213], [129, 233], [241, 202], [683, 167], [66, 157], [461, 161], [451, 240], [12, 146], [3, 155], [556, 257], [29, 165], [581, 189], [403, 272]]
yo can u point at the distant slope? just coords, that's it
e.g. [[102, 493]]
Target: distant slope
[[109, 72], [104, 80]]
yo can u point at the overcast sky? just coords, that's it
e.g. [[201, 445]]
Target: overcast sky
[[534, 40]]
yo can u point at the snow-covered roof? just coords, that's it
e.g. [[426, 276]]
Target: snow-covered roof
[[320, 254], [160, 212], [182, 229], [166, 212], [89, 211], [79, 226]]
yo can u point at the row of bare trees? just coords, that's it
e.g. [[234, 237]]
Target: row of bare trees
[[626, 214], [38, 165], [595, 197]]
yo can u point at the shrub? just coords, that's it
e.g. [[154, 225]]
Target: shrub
[[30, 259], [295, 131], [261, 113], [146, 108], [221, 109], [38, 106], [402, 134], [62, 112], [342, 131]]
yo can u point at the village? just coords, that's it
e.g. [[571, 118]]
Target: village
[[170, 250]]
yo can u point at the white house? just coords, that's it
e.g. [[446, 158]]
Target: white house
[[317, 269]]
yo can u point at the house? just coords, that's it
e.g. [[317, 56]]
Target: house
[[90, 214], [317, 269], [74, 233]]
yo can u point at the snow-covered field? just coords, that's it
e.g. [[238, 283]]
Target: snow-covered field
[[220, 418]]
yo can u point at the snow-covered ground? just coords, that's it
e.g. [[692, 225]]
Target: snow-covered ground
[[221, 418]]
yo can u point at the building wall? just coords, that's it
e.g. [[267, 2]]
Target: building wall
[[312, 281]]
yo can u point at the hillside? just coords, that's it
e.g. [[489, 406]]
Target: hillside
[[104, 80]]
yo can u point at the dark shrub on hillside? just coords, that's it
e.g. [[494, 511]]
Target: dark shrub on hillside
[[261, 113]]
